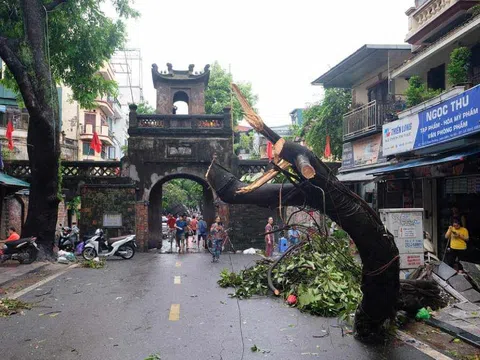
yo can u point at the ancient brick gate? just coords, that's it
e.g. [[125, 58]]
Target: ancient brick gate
[[166, 145]]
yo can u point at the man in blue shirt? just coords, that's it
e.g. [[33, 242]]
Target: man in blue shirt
[[293, 235], [202, 232], [181, 226]]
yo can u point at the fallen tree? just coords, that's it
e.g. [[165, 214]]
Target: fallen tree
[[313, 184]]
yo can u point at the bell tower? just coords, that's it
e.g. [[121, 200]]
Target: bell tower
[[180, 85]]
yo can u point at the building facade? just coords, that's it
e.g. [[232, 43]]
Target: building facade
[[376, 99], [79, 125], [435, 144]]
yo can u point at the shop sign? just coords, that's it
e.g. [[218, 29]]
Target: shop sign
[[454, 118], [363, 152]]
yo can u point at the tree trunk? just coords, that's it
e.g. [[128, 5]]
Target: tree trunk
[[43, 152], [28, 61], [380, 276]]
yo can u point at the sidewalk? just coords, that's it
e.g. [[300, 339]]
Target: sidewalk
[[10, 271]]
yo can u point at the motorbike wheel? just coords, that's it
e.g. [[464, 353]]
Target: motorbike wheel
[[30, 256], [89, 253], [129, 249]]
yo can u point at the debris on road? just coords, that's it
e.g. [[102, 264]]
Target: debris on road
[[12, 306], [94, 264], [320, 277]]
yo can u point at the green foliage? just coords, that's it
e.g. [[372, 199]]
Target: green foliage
[[153, 357], [12, 306], [326, 117], [60, 181], [74, 205], [145, 108], [245, 142], [81, 40], [475, 10], [182, 191], [92, 264], [417, 92], [323, 275], [218, 94], [459, 65]]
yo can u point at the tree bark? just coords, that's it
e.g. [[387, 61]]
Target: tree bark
[[380, 276], [34, 78]]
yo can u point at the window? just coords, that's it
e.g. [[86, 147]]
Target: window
[[87, 151], [379, 92], [90, 119], [436, 78], [111, 152], [3, 119]]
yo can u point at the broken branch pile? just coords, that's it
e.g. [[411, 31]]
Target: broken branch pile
[[322, 274]]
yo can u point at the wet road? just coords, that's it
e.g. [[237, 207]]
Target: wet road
[[170, 305]]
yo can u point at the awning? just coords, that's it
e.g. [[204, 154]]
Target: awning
[[356, 176], [425, 161], [8, 180]]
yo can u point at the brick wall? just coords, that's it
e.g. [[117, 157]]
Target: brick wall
[[141, 220], [14, 213], [248, 223], [98, 200], [62, 214]]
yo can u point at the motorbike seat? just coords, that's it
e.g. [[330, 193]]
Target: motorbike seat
[[112, 240], [13, 243]]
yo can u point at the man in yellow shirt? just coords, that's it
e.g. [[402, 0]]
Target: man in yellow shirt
[[458, 237]]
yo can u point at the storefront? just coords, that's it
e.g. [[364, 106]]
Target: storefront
[[359, 159], [437, 167]]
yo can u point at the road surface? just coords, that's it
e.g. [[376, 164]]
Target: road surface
[[171, 305]]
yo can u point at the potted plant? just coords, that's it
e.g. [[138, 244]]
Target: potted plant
[[457, 69]]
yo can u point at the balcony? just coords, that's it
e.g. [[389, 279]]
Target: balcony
[[107, 71], [368, 119], [431, 16], [103, 132], [174, 125], [106, 106]]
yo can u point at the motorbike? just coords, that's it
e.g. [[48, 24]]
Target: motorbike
[[68, 239], [98, 245], [23, 250]]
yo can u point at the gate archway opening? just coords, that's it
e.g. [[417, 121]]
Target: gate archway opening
[[159, 206], [181, 103]]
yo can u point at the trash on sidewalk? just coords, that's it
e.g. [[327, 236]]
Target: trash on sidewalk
[[422, 314], [64, 257], [250, 251]]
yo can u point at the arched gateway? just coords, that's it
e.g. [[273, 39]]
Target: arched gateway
[[165, 146]]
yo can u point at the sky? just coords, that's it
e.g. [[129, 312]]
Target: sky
[[278, 46]]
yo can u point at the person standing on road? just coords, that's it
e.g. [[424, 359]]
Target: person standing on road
[[293, 235], [193, 226], [202, 232], [171, 222], [218, 234], [269, 239], [458, 237], [181, 226]]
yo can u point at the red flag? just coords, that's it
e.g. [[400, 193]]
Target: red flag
[[269, 150], [9, 135], [328, 152], [96, 144]]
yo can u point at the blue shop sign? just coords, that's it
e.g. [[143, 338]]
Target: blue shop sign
[[454, 118]]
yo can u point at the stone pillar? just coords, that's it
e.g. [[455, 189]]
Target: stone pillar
[[227, 118], [141, 224], [132, 116]]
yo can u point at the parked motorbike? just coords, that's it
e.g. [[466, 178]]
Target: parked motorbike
[[68, 239], [98, 245], [23, 250]]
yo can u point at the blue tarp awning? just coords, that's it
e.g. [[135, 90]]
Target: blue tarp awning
[[426, 161], [8, 180]]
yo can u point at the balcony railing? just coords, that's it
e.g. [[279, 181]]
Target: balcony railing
[[103, 130], [180, 121], [370, 117]]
